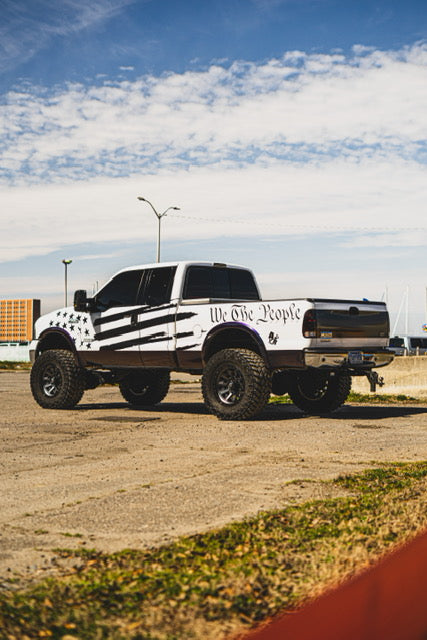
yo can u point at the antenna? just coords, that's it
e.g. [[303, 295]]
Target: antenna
[[407, 311]]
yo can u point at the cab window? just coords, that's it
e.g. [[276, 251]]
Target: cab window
[[242, 285], [158, 286], [121, 291], [219, 282]]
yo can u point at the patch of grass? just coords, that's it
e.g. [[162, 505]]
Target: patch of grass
[[285, 399], [384, 479], [364, 398], [14, 366], [383, 398], [210, 585]]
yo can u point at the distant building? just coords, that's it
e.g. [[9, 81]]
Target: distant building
[[17, 318]]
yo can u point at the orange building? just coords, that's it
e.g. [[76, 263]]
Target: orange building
[[17, 318]]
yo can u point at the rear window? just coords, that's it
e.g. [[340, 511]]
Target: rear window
[[219, 282]]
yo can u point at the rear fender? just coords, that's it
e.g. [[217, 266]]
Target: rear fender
[[232, 335]]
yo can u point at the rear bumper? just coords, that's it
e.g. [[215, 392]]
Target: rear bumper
[[335, 359]]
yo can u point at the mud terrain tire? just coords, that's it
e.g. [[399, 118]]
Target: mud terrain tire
[[317, 392], [145, 388], [236, 384], [57, 382]]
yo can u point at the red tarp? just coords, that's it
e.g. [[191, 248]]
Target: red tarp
[[386, 602]]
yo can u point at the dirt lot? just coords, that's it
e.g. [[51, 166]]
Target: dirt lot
[[109, 476]]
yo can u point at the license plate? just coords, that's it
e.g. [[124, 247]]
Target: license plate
[[355, 357]]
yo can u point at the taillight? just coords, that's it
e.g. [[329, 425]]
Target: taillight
[[309, 324]]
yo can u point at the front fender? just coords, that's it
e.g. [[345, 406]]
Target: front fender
[[55, 338]]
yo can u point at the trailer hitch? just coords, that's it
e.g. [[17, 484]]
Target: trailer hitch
[[374, 380]]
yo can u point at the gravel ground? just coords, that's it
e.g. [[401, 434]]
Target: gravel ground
[[108, 476]]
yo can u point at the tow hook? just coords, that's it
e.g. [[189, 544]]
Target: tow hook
[[374, 380]]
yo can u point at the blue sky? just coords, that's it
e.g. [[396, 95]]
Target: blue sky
[[291, 134]]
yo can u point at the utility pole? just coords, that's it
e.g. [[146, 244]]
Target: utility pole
[[159, 218], [66, 263]]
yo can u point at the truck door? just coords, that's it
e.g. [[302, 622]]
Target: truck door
[[156, 318], [111, 335]]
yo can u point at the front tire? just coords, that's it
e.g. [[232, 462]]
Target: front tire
[[318, 392], [236, 384], [145, 388], [57, 382]]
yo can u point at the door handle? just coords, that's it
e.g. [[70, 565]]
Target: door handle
[[133, 317]]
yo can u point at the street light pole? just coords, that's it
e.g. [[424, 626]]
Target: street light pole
[[159, 218], [66, 263]]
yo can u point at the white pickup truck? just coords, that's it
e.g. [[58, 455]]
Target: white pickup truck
[[208, 319]]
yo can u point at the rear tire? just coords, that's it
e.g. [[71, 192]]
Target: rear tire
[[145, 388], [236, 384], [318, 392], [57, 382]]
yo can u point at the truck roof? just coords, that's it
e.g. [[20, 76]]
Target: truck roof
[[183, 263]]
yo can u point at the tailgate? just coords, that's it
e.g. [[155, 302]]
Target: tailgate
[[347, 324]]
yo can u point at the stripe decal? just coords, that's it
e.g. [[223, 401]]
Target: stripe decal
[[139, 311], [131, 328], [188, 346], [144, 324], [184, 334], [155, 337]]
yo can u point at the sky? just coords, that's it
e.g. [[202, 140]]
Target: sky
[[291, 134]]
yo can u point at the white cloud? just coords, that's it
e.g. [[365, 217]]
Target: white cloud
[[300, 108], [401, 238], [281, 199], [303, 145], [101, 256]]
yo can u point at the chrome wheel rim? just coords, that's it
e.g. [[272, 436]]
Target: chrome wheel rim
[[230, 385], [51, 381]]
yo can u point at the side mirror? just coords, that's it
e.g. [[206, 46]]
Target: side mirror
[[81, 301]]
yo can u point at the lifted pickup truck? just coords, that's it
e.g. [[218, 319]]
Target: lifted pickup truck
[[209, 319]]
